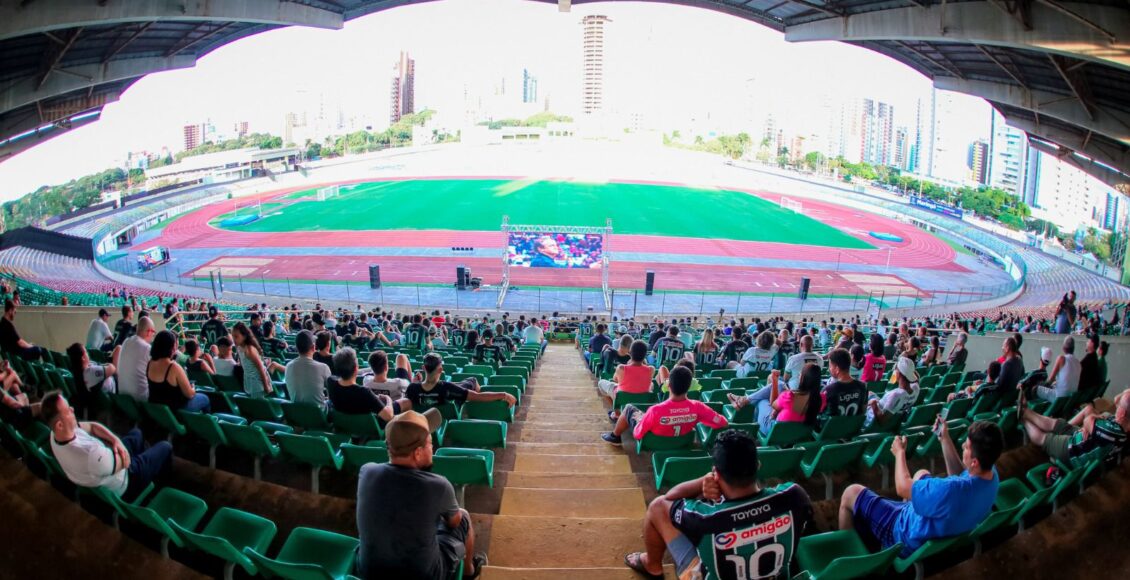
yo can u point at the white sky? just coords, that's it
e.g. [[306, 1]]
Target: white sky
[[669, 63]]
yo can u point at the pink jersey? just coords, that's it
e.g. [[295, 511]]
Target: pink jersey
[[635, 379], [674, 418]]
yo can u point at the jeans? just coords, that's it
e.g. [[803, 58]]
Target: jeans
[[199, 402], [760, 397], [145, 465]]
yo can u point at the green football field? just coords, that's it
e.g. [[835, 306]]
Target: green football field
[[478, 205]]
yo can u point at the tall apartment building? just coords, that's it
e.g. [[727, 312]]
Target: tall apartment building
[[402, 99], [529, 87], [902, 149], [241, 129], [978, 161], [878, 126], [1009, 151], [592, 99], [193, 136]]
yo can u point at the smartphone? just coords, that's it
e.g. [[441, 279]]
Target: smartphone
[[941, 420]]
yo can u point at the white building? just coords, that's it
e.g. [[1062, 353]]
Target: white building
[[1009, 154], [1066, 196]]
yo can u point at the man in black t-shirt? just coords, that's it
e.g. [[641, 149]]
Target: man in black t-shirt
[[10, 341], [426, 537], [844, 395], [733, 351], [1012, 371], [435, 391], [213, 328], [486, 352], [125, 327], [346, 396]]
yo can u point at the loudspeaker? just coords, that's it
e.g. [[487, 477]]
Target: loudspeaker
[[803, 291], [374, 276], [461, 277], [466, 276], [649, 285]]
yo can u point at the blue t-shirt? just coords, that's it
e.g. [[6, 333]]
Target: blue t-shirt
[[944, 506], [598, 342]]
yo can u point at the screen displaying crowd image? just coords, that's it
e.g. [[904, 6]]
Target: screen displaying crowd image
[[555, 250]]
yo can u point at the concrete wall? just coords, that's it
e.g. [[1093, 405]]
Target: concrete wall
[[56, 327], [985, 349]]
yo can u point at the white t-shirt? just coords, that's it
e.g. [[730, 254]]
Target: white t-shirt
[[94, 374], [97, 334], [393, 387], [88, 462], [796, 363], [224, 366], [533, 334], [306, 380], [757, 360], [895, 402], [132, 363]]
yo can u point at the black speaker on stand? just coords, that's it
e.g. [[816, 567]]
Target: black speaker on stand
[[461, 275], [374, 276], [803, 291], [649, 285]]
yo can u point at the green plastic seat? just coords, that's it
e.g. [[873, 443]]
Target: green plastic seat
[[476, 433], [707, 435], [724, 374], [308, 554], [360, 426], [258, 408], [227, 534], [227, 383], [675, 470], [1069, 478], [447, 410], [922, 416], [831, 458], [490, 410], [931, 447], [924, 551], [313, 450], [252, 439], [463, 467], [786, 434], [484, 370], [992, 522], [653, 442], [511, 390], [354, 456], [744, 383], [480, 379], [841, 555], [163, 416], [710, 383], [877, 452], [722, 395], [839, 427], [127, 405], [743, 415], [169, 504], [305, 416], [207, 428], [513, 371], [1060, 406], [507, 380], [623, 398], [959, 408], [781, 464]]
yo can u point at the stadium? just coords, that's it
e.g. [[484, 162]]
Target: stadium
[[562, 356]]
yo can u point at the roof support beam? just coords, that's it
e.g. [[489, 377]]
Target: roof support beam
[[1102, 121], [982, 23], [1117, 157], [15, 147], [1107, 175], [62, 14], [1076, 83], [59, 54], [25, 91], [32, 118]]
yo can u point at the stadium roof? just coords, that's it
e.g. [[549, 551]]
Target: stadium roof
[[1058, 70]]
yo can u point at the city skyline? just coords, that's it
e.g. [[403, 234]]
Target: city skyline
[[722, 74]]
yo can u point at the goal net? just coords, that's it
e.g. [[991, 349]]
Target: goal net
[[328, 192], [792, 204]]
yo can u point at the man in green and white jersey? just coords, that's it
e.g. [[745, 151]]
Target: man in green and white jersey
[[416, 335], [724, 525], [1088, 430]]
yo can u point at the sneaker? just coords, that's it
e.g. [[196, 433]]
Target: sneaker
[[610, 437]]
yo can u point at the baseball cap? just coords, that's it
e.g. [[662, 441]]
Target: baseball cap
[[906, 368], [212, 311], [410, 430], [1046, 354]]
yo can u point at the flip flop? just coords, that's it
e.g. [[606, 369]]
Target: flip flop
[[635, 562]]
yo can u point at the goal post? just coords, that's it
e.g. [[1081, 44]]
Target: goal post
[[325, 193]]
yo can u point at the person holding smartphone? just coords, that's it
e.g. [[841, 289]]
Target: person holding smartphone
[[931, 507]]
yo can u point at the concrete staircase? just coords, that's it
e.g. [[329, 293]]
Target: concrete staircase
[[571, 507]]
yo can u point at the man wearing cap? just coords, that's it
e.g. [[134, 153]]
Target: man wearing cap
[[434, 391], [898, 400], [98, 335], [1039, 376], [408, 521]]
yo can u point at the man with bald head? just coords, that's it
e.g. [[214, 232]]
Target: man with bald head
[[133, 360]]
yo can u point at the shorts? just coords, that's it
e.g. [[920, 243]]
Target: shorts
[[1056, 442], [452, 545], [606, 388], [634, 415], [874, 517]]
